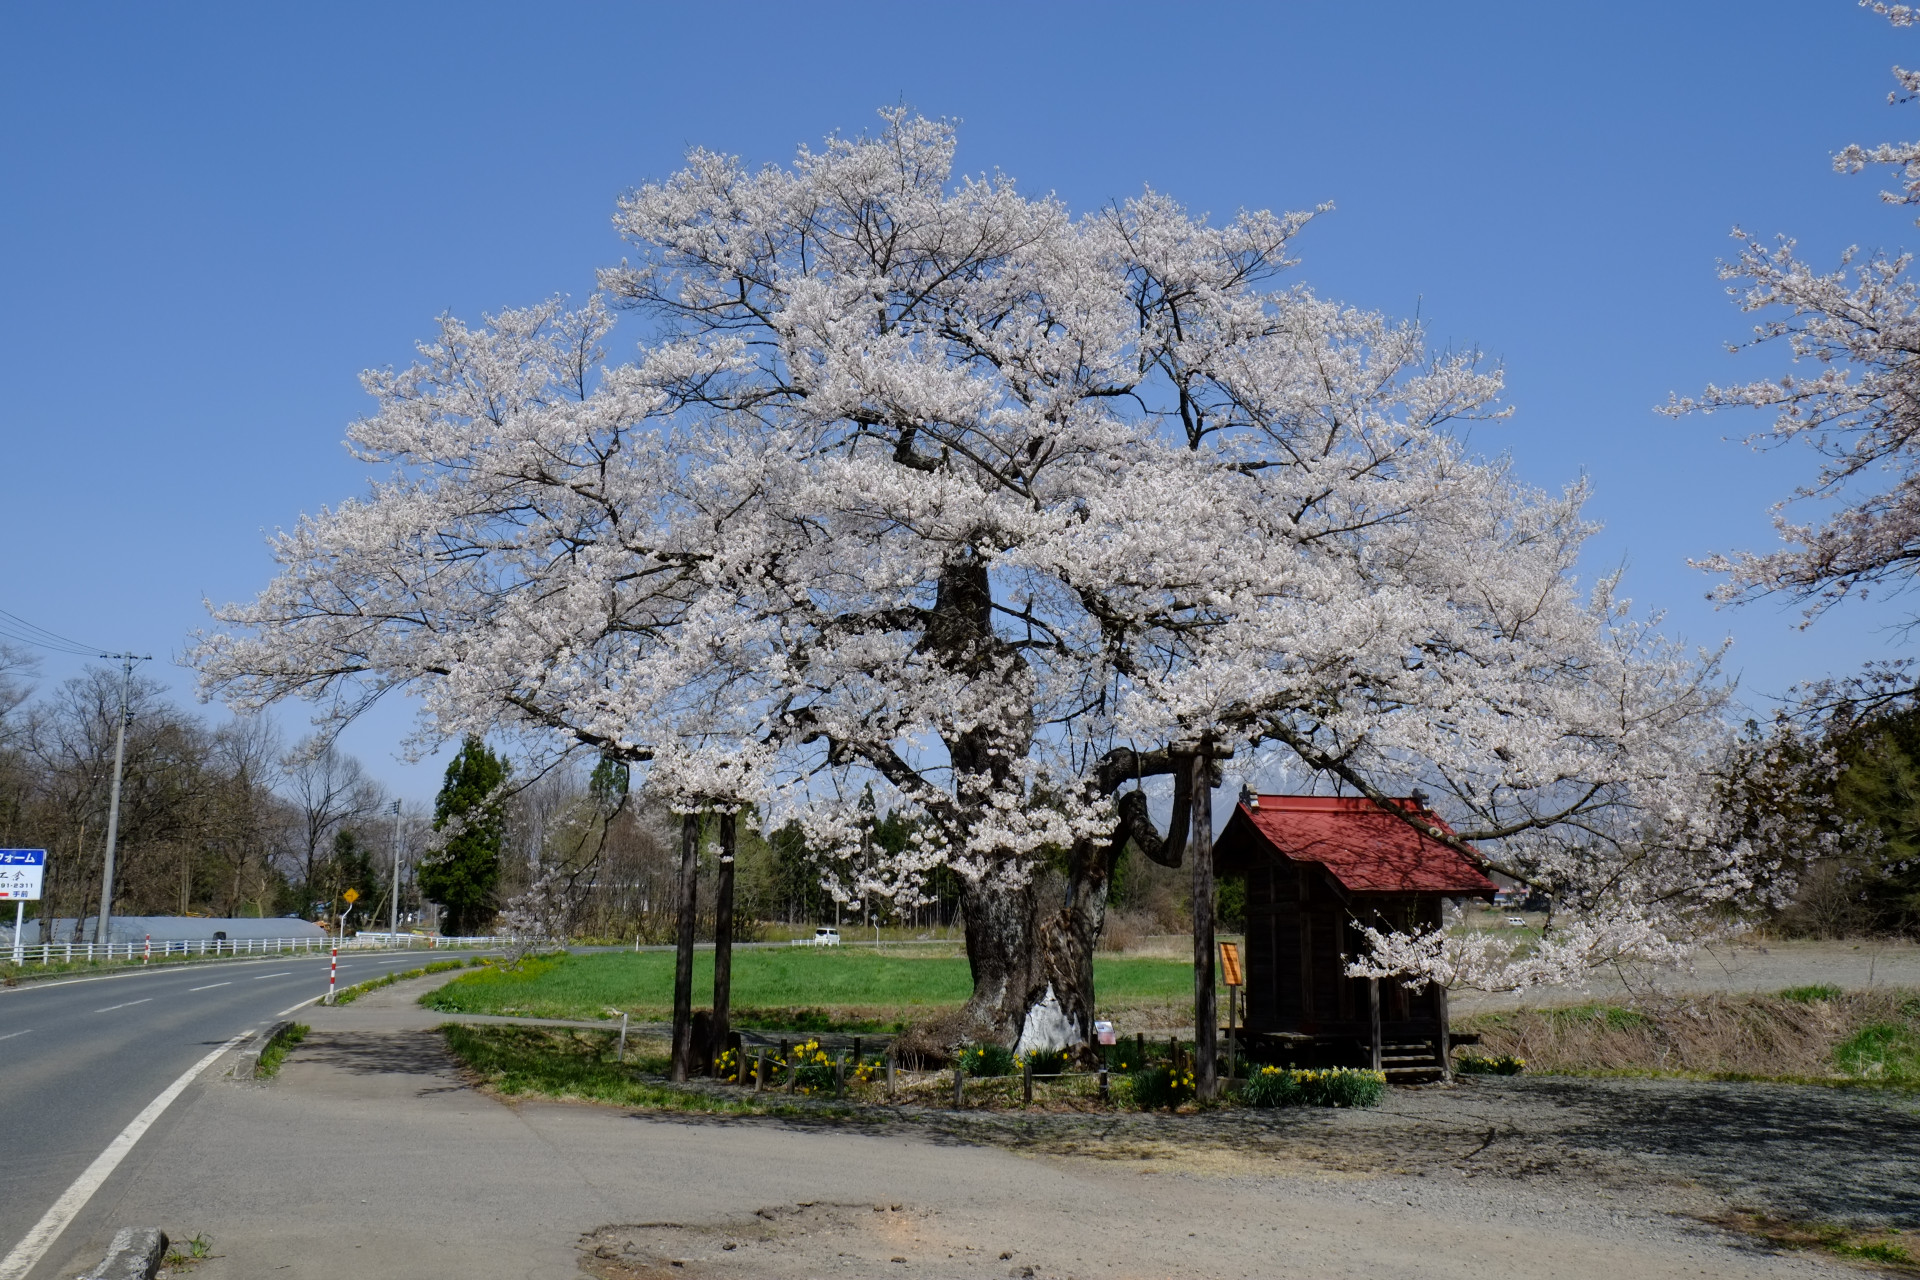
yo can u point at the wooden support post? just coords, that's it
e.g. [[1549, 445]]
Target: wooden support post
[[959, 1088], [1373, 1013], [1232, 1044], [759, 1070], [840, 1073], [681, 1064], [856, 1051], [1026, 1083], [723, 940], [890, 1066], [1446, 1033], [1206, 1013], [1140, 1049], [1103, 1082]]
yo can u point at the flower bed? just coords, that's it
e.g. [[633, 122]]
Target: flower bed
[[1332, 1087]]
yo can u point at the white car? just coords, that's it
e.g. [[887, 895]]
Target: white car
[[826, 937], [1516, 920]]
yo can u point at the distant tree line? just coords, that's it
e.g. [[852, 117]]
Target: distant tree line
[[228, 820], [233, 820]]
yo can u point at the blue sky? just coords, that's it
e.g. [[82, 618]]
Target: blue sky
[[212, 218]]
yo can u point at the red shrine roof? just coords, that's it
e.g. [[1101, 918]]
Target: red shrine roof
[[1364, 848]]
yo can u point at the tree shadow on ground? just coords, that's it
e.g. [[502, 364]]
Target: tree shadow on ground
[[1832, 1154], [367, 1053], [1806, 1152]]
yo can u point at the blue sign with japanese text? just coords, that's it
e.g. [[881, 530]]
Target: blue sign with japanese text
[[21, 871]]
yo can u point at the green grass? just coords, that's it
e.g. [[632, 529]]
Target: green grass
[[554, 1063], [1613, 1016], [1888, 1248], [347, 995], [1811, 995], [848, 988], [1881, 1051], [1875, 1251], [276, 1050]]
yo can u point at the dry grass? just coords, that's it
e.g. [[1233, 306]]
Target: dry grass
[[1815, 1033], [1888, 1249]]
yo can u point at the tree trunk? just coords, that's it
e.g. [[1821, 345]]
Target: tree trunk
[[682, 1061], [1070, 936], [1001, 929], [723, 940], [1206, 1018]]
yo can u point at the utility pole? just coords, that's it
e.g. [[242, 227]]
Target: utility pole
[[113, 804], [393, 913]]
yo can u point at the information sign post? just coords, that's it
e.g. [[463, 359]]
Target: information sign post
[[1235, 979], [21, 874]]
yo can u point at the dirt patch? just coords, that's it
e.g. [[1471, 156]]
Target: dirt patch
[[779, 1242]]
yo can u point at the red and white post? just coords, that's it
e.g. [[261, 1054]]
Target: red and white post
[[333, 971], [147, 956]]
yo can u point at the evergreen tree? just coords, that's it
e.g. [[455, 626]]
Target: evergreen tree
[[1879, 788], [462, 878], [351, 867]]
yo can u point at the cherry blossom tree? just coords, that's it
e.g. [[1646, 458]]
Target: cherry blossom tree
[[1856, 330], [920, 484]]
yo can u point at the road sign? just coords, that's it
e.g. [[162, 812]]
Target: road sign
[[21, 871], [351, 895], [1230, 964]]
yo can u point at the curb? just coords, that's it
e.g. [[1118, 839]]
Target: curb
[[134, 1255], [247, 1066]]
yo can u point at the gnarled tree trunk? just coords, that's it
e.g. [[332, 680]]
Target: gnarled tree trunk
[[1024, 947]]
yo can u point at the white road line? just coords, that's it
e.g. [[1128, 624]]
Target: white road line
[[11, 1034], [128, 1005], [34, 1245], [210, 986], [287, 974], [172, 970], [283, 1013]]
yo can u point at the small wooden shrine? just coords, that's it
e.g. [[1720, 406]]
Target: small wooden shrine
[[1318, 868]]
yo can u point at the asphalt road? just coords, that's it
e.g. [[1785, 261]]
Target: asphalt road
[[81, 1057]]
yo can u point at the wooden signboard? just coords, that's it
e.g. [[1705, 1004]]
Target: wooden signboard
[[1230, 964]]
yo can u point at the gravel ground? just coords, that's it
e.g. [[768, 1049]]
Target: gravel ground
[[1799, 1152], [1489, 1179]]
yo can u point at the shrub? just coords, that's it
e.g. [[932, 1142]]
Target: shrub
[[1048, 1062], [1162, 1086], [986, 1060], [1809, 995], [1332, 1087], [1473, 1064]]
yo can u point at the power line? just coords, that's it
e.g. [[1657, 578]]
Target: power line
[[15, 627]]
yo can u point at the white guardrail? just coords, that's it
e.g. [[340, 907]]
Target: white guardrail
[[147, 949]]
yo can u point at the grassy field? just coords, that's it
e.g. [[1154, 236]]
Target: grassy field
[[800, 988]]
